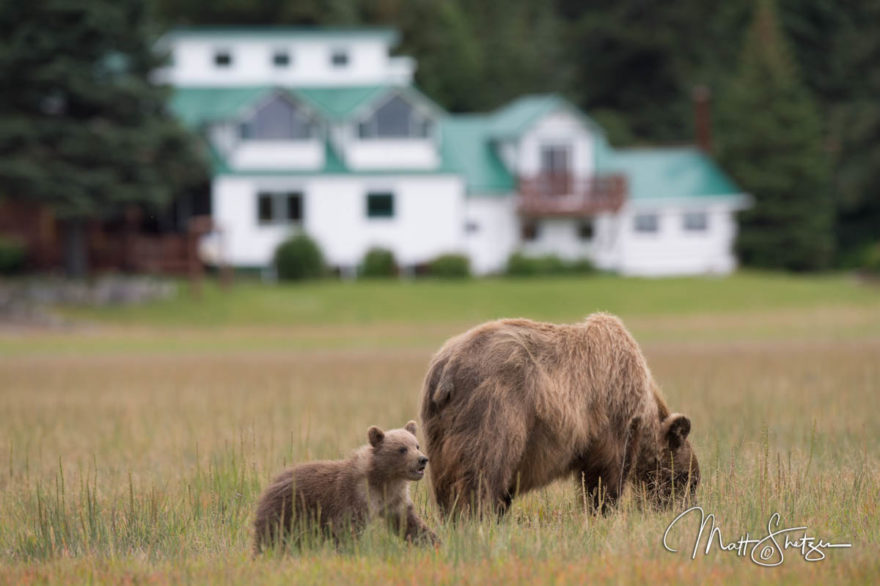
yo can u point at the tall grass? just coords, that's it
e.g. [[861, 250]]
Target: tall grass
[[128, 462]]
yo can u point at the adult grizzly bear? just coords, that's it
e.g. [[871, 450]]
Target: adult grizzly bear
[[342, 496], [514, 404]]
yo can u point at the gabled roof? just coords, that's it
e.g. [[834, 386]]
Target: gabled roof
[[467, 146], [670, 173], [390, 35], [516, 118], [199, 105]]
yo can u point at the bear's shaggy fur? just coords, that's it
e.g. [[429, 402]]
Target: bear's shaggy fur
[[344, 495], [514, 404]]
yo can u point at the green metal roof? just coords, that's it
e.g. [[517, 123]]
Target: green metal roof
[[274, 32], [513, 120], [675, 173], [467, 145], [197, 106], [468, 142], [338, 103]]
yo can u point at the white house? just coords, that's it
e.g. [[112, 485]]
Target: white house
[[321, 130]]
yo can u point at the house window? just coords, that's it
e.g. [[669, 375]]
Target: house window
[[277, 119], [695, 221], [279, 207], [339, 58], [396, 118], [647, 223], [281, 58], [222, 58], [380, 205], [585, 230], [555, 159], [529, 231]]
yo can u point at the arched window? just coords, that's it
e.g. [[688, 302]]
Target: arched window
[[396, 118], [277, 119]]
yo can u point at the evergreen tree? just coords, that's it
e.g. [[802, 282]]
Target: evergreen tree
[[771, 141], [82, 128]]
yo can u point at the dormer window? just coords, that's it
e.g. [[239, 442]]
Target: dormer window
[[396, 118], [339, 58], [222, 58], [278, 119], [281, 59]]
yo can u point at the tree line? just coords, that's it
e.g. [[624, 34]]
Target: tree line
[[794, 87]]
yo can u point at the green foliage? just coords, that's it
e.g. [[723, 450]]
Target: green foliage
[[82, 126], [379, 262], [12, 255], [521, 265], [871, 259], [771, 142], [298, 258], [450, 266]]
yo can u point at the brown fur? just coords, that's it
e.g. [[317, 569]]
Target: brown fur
[[514, 404], [344, 495]]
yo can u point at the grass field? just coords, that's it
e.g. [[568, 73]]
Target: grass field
[[133, 443]]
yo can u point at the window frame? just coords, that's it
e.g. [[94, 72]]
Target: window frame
[[298, 114], [281, 54], [555, 149], [222, 58], [701, 227], [421, 125], [373, 213], [340, 57], [641, 228], [279, 207]]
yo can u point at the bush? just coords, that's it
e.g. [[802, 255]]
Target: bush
[[520, 265], [379, 262], [297, 258], [450, 266], [11, 256], [871, 259]]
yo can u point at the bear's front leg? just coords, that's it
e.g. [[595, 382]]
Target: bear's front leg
[[414, 529]]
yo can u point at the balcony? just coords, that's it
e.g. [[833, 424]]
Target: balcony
[[565, 195]]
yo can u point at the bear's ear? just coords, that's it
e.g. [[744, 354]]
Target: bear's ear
[[675, 430], [410, 427], [376, 436]]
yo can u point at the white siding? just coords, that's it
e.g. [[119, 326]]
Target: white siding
[[496, 233], [427, 222], [310, 61], [672, 250], [273, 154]]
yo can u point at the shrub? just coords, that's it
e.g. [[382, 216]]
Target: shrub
[[871, 259], [379, 262], [520, 265], [450, 266], [297, 258], [11, 256]]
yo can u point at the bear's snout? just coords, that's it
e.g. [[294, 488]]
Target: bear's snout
[[423, 461]]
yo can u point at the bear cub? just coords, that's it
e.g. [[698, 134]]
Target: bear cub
[[342, 496]]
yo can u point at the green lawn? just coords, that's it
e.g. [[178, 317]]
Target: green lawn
[[430, 301]]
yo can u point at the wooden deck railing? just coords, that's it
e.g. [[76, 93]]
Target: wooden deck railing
[[565, 195]]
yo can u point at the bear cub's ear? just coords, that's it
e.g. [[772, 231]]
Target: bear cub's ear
[[410, 427], [376, 436]]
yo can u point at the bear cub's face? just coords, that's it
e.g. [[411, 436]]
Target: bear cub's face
[[396, 453]]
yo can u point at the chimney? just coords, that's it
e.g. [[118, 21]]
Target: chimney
[[703, 118]]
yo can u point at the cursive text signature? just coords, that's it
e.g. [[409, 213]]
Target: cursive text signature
[[767, 551]]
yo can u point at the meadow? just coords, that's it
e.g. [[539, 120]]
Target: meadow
[[134, 441]]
